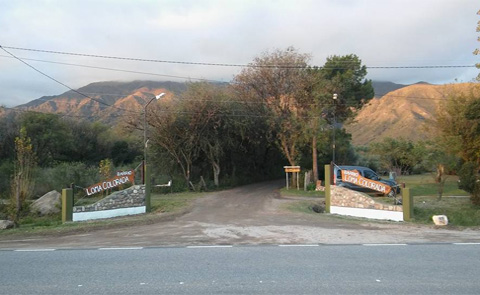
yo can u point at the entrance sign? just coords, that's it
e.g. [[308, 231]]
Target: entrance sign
[[292, 169], [353, 176], [120, 178]]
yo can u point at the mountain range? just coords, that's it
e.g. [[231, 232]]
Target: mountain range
[[103, 101], [405, 112], [396, 111]]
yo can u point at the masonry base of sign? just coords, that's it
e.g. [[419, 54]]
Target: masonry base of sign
[[367, 213], [83, 216]]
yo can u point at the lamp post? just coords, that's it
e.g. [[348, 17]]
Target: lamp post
[[334, 124], [157, 97]]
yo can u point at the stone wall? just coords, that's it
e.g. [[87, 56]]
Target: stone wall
[[133, 196], [343, 197]]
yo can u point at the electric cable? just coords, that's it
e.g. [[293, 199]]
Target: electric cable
[[286, 66]]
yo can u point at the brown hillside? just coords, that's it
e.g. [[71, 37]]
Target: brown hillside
[[401, 113], [111, 101]]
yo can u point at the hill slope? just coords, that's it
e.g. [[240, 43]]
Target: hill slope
[[401, 113], [111, 100]]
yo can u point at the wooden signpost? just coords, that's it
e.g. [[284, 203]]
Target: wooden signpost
[[292, 169]]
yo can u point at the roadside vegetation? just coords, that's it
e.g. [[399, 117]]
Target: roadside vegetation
[[214, 136]]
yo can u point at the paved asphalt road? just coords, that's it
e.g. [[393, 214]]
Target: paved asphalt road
[[324, 269]]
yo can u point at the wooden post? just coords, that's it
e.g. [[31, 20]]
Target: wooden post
[[148, 188], [298, 183], [286, 175], [327, 188], [407, 202], [67, 205]]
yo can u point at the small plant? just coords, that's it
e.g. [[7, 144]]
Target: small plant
[[22, 184]]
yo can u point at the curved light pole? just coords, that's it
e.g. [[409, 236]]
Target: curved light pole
[[157, 97]]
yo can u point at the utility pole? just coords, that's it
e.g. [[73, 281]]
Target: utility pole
[[334, 124]]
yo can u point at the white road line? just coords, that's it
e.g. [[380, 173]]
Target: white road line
[[299, 245], [34, 250], [120, 248], [466, 243], [384, 244], [213, 246]]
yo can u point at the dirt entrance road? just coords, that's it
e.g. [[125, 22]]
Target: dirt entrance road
[[253, 214]]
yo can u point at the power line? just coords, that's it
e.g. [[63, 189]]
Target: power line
[[286, 66], [57, 81], [116, 69]]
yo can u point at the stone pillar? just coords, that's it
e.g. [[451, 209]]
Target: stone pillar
[[148, 188], [407, 202], [327, 188], [67, 204]]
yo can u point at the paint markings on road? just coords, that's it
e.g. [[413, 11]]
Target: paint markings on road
[[121, 248], [34, 250], [210, 246], [466, 244], [374, 245], [298, 245]]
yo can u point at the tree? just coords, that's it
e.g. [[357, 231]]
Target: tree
[[458, 125], [50, 136], [399, 155], [345, 77], [277, 82], [176, 134], [22, 184]]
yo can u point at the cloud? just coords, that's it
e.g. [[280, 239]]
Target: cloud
[[381, 33]]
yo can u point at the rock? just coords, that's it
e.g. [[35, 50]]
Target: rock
[[5, 224], [440, 219], [50, 203]]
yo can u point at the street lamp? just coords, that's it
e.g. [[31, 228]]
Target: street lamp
[[157, 97], [334, 124]]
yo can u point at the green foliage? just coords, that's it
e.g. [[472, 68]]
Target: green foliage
[[469, 181], [63, 174], [459, 125], [399, 155]]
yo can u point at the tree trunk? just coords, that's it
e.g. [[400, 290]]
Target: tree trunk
[[314, 159], [216, 173]]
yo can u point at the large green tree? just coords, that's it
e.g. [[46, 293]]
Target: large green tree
[[344, 77]]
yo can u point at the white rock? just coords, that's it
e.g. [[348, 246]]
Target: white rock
[[440, 219]]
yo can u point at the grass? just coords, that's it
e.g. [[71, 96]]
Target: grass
[[424, 185], [170, 204], [301, 193], [173, 202], [303, 206], [459, 211]]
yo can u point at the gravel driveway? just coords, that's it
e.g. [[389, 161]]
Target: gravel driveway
[[253, 214]]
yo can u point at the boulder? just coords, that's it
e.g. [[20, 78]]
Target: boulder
[[5, 224], [50, 203]]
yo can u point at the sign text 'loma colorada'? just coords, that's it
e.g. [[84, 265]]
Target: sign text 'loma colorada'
[[122, 177]]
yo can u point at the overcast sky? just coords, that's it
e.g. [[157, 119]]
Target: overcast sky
[[380, 32]]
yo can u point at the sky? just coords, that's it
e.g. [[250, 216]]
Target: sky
[[393, 33]]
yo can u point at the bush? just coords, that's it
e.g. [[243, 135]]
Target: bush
[[469, 182], [62, 175]]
